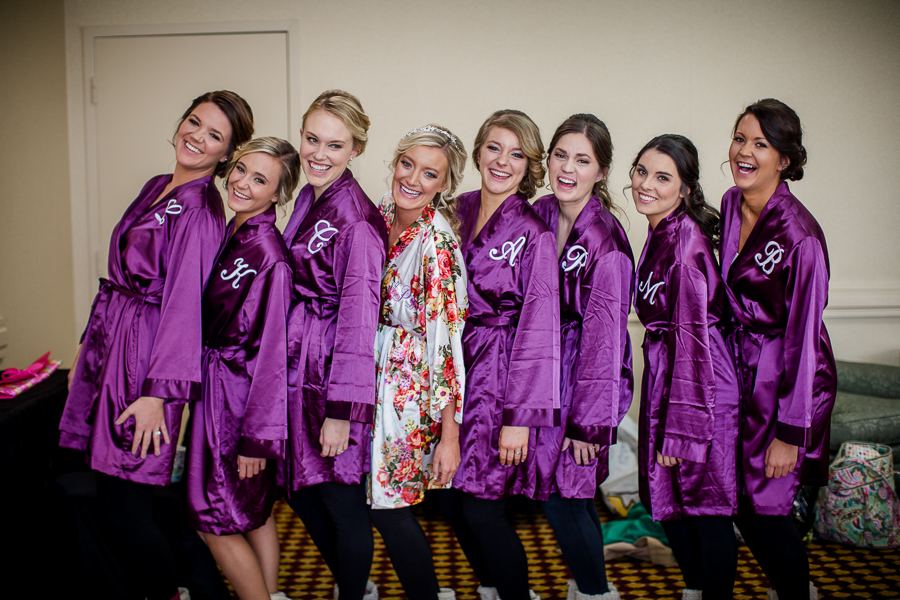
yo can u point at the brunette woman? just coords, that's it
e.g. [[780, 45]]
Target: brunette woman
[[596, 280], [337, 241], [140, 359], [418, 349], [511, 348], [775, 267], [240, 427], [689, 397]]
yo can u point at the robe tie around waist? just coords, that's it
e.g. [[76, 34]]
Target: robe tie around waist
[[93, 360], [308, 342], [492, 321]]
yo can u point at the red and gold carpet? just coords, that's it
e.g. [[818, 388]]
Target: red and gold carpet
[[838, 571]]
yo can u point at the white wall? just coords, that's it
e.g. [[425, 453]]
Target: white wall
[[645, 67], [35, 223]]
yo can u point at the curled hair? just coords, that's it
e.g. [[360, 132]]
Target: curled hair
[[687, 162], [346, 107], [239, 115], [281, 150], [529, 140], [781, 126], [436, 136], [597, 134]]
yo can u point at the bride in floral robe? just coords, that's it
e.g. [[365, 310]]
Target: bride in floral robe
[[418, 351]]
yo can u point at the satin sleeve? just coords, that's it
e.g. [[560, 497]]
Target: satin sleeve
[[264, 426], [596, 410], [532, 385], [688, 427], [358, 263], [444, 321], [175, 360], [806, 293]]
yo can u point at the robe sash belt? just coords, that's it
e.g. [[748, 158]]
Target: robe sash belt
[[487, 321], [97, 334]]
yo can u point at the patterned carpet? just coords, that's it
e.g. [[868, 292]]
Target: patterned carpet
[[838, 571]]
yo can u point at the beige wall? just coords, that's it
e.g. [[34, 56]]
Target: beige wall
[[645, 67], [35, 224]]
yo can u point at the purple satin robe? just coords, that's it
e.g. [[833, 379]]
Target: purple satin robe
[[510, 345], [143, 337], [689, 396], [596, 283], [338, 245], [244, 392], [778, 288]]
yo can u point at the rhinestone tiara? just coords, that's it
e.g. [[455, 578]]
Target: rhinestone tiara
[[434, 129]]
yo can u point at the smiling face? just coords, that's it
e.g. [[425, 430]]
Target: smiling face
[[573, 169], [253, 185], [203, 139], [656, 186], [420, 174], [502, 163], [755, 165], [326, 149]]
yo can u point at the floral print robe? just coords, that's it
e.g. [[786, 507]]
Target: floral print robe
[[419, 357]]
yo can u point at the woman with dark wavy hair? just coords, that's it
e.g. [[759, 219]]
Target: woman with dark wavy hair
[[689, 398], [775, 267], [141, 358]]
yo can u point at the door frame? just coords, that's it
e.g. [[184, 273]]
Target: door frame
[[86, 257]]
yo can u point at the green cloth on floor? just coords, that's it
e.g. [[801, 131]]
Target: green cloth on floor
[[636, 524]]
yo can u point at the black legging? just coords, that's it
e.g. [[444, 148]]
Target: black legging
[[778, 548], [580, 536], [489, 541], [149, 559], [337, 519], [707, 553], [409, 551]]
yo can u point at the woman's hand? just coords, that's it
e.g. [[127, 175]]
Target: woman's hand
[[335, 436], [74, 364], [781, 459], [248, 467], [446, 460], [513, 445], [584, 452], [667, 461], [149, 422]]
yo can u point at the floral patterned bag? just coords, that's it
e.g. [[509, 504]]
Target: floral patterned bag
[[860, 506]]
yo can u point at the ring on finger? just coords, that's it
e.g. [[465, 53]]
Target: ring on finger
[[157, 433], [518, 452]]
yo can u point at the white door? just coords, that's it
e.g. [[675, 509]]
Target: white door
[[141, 85]]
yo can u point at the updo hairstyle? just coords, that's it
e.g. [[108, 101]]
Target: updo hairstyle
[[529, 140], [597, 134], [346, 107], [781, 126], [281, 150], [437, 136], [239, 116]]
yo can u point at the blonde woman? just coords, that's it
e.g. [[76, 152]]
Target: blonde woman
[[241, 422], [418, 349], [337, 241], [511, 347]]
